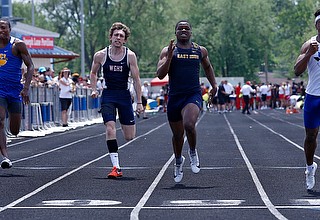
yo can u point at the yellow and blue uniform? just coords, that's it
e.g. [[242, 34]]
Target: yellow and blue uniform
[[10, 78], [184, 84], [10, 73]]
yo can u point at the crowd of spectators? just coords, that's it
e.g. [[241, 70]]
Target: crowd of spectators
[[46, 76], [264, 96]]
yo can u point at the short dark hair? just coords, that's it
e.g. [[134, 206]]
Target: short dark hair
[[182, 21], [317, 13], [7, 20]]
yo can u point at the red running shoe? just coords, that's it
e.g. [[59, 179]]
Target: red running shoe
[[115, 173]]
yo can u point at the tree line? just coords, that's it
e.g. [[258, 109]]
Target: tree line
[[243, 37]]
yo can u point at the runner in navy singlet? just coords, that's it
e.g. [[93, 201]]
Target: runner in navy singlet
[[118, 64], [181, 61], [12, 53]]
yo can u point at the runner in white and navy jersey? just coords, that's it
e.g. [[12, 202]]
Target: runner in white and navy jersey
[[13, 52], [309, 58], [181, 61], [118, 64]]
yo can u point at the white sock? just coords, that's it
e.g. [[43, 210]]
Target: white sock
[[309, 168], [115, 160]]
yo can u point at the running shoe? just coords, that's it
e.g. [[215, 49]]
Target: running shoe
[[310, 179], [178, 173], [115, 173], [194, 162], [6, 163]]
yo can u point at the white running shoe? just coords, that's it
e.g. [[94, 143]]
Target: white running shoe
[[194, 162], [310, 179], [178, 173], [6, 163]]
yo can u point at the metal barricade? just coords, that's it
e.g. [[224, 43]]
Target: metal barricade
[[44, 111]]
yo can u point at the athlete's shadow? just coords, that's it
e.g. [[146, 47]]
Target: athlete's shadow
[[313, 193], [182, 186], [118, 179], [10, 175]]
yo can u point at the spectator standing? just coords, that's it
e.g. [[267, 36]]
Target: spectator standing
[[221, 98], [117, 62], [228, 88], [238, 98], [13, 52], [282, 98], [309, 58], [66, 89], [264, 92], [144, 97], [246, 91], [181, 61], [269, 95]]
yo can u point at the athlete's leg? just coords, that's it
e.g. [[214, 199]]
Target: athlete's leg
[[177, 137], [3, 138], [129, 131], [14, 109], [15, 122], [310, 144], [190, 115]]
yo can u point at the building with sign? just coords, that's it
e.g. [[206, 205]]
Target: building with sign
[[40, 42]]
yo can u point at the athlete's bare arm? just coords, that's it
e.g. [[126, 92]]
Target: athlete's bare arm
[[96, 63], [307, 50], [165, 60], [208, 69], [135, 74], [20, 49]]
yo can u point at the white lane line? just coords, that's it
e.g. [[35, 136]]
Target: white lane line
[[166, 207], [282, 136], [202, 203], [279, 119], [135, 212], [14, 203], [255, 178], [57, 148], [45, 137], [80, 203]]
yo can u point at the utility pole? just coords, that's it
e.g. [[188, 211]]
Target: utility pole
[[32, 12], [266, 66], [82, 40]]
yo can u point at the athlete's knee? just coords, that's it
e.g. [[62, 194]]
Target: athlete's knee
[[311, 138], [129, 136], [189, 126], [111, 131], [177, 136]]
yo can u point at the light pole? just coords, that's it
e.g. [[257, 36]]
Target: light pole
[[82, 40], [32, 12]]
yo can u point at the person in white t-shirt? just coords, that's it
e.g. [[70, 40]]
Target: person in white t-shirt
[[264, 89], [246, 90], [65, 96], [144, 97]]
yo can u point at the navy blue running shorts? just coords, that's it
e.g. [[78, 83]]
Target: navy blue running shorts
[[13, 106], [311, 111], [113, 101], [177, 103]]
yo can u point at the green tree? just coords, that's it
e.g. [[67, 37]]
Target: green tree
[[294, 25]]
